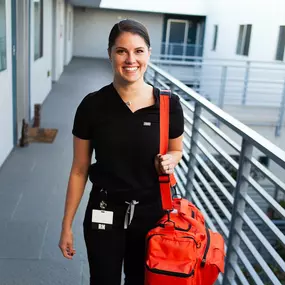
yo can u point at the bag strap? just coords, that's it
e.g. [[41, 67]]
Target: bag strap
[[165, 181]]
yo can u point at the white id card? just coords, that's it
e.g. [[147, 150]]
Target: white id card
[[102, 217]]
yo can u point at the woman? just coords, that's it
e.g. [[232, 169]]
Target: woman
[[121, 123]]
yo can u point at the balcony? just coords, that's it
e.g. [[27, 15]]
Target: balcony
[[233, 174]]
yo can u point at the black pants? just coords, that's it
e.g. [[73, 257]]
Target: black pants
[[108, 249]]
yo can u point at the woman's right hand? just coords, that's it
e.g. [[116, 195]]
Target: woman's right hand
[[66, 243]]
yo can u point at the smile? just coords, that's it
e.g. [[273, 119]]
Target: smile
[[131, 68]]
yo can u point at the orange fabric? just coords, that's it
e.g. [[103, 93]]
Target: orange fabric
[[163, 148], [181, 250]]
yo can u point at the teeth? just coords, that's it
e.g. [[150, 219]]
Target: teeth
[[131, 68]]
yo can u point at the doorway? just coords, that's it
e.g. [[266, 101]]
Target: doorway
[[20, 64]]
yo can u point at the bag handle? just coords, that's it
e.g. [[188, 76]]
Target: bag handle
[[165, 181]]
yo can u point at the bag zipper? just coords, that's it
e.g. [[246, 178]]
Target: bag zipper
[[207, 248]]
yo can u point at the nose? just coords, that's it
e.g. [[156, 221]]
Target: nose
[[130, 58]]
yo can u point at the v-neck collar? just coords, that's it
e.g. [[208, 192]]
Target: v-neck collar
[[154, 92]]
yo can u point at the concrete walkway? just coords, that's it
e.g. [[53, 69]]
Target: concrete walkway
[[33, 183]]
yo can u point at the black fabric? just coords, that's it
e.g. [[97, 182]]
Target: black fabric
[[108, 249], [125, 145]]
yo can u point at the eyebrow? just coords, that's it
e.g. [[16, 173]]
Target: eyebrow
[[126, 48]]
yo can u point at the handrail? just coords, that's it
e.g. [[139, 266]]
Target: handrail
[[277, 154], [229, 192]]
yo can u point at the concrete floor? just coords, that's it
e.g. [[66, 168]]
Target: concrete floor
[[33, 183]]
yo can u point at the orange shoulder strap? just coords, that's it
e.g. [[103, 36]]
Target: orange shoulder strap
[[165, 181]]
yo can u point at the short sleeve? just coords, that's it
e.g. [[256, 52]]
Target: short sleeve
[[176, 120], [82, 122]]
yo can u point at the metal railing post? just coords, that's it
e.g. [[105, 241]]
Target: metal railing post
[[193, 149], [155, 78], [281, 114], [246, 78], [222, 90], [237, 212]]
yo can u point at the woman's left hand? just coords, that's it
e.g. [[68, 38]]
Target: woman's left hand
[[165, 164]]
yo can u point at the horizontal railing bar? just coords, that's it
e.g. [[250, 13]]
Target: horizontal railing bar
[[258, 258], [187, 131], [218, 149], [264, 241], [162, 83], [266, 196], [187, 144], [264, 218], [248, 265], [198, 204], [275, 180], [240, 274], [181, 186], [248, 134], [183, 165], [233, 144], [215, 179], [181, 175], [210, 207], [212, 193], [217, 164]]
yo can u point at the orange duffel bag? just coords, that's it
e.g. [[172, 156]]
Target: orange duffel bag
[[180, 250]]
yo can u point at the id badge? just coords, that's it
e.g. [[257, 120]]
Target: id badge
[[102, 220]]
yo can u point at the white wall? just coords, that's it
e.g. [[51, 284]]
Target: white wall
[[68, 44], [6, 103], [193, 7], [265, 17], [58, 22], [40, 81], [92, 28]]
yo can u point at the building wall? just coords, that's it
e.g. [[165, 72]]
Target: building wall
[[58, 24], [92, 28], [265, 17], [6, 103], [68, 33], [41, 68], [193, 7], [269, 77]]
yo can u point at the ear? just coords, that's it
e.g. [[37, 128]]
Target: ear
[[109, 54]]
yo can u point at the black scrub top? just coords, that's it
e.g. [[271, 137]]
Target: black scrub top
[[125, 142]]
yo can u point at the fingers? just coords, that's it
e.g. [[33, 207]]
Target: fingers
[[166, 163], [67, 250], [66, 246]]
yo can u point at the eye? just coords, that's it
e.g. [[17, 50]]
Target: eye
[[140, 51], [120, 51]]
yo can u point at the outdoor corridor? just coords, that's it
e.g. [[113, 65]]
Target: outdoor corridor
[[33, 183]]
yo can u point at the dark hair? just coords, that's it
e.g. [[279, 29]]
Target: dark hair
[[130, 26]]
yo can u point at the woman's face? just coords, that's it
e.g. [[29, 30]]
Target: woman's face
[[129, 57]]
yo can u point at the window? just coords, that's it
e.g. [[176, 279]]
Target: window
[[244, 39], [38, 29], [3, 61], [216, 30], [281, 44], [70, 25]]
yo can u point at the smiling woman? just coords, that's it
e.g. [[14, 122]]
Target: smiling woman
[[121, 123]]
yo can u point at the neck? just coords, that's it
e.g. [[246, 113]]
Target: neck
[[128, 91]]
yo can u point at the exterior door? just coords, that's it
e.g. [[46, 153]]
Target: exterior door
[[176, 37]]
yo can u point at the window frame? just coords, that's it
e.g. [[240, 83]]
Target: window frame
[[3, 53], [40, 54], [280, 43], [215, 37], [244, 38]]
